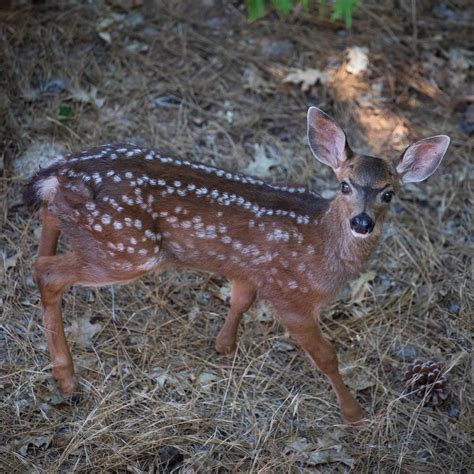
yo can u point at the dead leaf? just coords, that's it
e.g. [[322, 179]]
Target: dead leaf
[[330, 439], [283, 346], [137, 47], [37, 155], [264, 313], [254, 81], [262, 161], [358, 60], [162, 377], [206, 380], [82, 95], [9, 262], [307, 77], [329, 456], [356, 377], [224, 293], [83, 331], [106, 36], [300, 445], [36, 441]]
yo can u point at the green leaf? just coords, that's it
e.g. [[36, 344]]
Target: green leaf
[[305, 5], [65, 111], [344, 9], [322, 8], [256, 9], [283, 7]]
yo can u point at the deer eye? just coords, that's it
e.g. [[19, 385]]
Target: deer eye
[[387, 196], [345, 188]]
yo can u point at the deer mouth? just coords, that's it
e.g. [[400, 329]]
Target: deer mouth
[[359, 235]]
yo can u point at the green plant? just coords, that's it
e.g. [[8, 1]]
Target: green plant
[[256, 8], [341, 9], [64, 112]]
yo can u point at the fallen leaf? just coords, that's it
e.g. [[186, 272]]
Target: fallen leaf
[[358, 60], [105, 35], [329, 456], [161, 377], [264, 313], [82, 95], [307, 77], [9, 262], [224, 293], [300, 445], [330, 439], [36, 441], [206, 380], [283, 346], [194, 313], [262, 162], [461, 59], [254, 81], [136, 47], [356, 377], [83, 331], [37, 155]]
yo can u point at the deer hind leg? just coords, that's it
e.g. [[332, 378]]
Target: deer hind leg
[[306, 331], [49, 234], [242, 297], [54, 274]]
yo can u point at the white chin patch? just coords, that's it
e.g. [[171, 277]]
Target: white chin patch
[[361, 236]]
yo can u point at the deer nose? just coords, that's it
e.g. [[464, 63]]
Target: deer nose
[[362, 224]]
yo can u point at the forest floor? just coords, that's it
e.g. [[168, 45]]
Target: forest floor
[[197, 79]]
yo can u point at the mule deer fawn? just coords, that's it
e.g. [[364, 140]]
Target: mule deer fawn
[[128, 211]]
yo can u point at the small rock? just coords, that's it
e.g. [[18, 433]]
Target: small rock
[[461, 59], [425, 455], [215, 22], [55, 86], [454, 308], [169, 457], [405, 350], [467, 122], [282, 50], [453, 411]]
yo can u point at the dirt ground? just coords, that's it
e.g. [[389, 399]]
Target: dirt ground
[[197, 79]]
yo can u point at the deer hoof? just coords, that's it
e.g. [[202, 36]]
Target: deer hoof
[[67, 385], [225, 348], [355, 418]]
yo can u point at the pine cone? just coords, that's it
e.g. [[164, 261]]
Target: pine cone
[[427, 381]]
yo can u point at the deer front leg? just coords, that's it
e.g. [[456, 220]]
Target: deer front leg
[[53, 275], [306, 331], [242, 297]]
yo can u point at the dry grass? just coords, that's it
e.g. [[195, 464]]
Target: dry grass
[[155, 391]]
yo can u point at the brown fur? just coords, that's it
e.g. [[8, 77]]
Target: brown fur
[[290, 247]]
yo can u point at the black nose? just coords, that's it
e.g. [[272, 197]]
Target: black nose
[[362, 224]]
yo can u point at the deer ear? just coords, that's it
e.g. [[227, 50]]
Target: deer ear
[[421, 159], [326, 138]]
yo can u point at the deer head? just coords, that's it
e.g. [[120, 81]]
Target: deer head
[[368, 183]]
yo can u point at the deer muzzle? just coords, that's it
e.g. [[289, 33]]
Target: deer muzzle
[[362, 224]]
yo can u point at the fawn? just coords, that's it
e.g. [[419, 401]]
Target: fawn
[[127, 211]]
